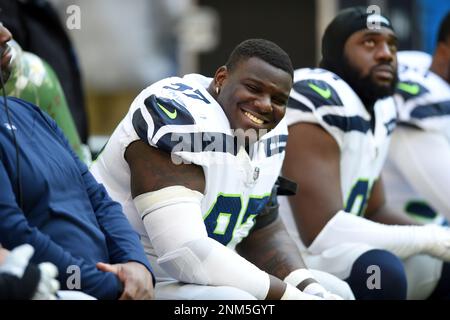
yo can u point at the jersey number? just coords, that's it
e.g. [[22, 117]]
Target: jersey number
[[357, 199], [195, 94], [226, 215]]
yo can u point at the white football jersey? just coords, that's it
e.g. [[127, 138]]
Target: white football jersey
[[178, 115], [321, 97], [423, 103], [422, 98], [415, 61]]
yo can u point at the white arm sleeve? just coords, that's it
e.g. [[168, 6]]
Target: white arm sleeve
[[423, 157], [173, 220], [403, 241]]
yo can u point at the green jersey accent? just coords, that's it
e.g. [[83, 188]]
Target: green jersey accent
[[172, 115], [326, 94], [412, 89]]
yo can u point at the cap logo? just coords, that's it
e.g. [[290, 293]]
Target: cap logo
[[374, 18]]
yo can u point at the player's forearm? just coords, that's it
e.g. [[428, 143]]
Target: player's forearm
[[276, 289], [404, 241], [272, 250], [173, 220], [386, 215]]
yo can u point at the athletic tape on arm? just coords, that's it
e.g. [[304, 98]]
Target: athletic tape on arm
[[404, 241], [304, 280], [173, 220]]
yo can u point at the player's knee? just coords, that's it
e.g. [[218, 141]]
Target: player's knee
[[378, 274]]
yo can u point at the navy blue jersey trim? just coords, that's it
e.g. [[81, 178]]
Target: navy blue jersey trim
[[197, 142], [215, 142], [140, 125], [431, 110], [276, 141], [347, 124], [295, 104], [319, 92]]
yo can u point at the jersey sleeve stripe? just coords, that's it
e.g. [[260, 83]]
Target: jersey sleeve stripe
[[347, 124], [195, 142], [140, 125], [295, 104], [431, 110]]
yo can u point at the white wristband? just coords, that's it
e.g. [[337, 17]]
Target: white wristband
[[299, 276], [292, 293], [304, 280]]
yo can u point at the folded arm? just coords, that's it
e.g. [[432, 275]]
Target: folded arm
[[313, 161], [16, 230], [168, 197]]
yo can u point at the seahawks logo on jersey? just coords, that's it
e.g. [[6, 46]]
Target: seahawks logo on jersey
[[319, 92], [322, 94], [410, 89], [163, 112]]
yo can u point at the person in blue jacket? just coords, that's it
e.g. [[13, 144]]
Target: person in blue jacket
[[49, 200]]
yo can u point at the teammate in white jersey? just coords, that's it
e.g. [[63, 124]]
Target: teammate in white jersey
[[194, 163], [417, 175], [340, 120]]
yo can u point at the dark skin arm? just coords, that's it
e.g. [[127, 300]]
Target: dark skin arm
[[378, 211], [152, 169], [272, 249], [313, 161]]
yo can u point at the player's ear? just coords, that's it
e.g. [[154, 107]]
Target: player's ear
[[220, 76]]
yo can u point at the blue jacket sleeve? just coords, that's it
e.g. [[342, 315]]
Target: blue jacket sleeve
[[123, 242], [15, 230]]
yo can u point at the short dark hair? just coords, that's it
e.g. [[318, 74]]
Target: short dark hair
[[444, 29], [263, 49]]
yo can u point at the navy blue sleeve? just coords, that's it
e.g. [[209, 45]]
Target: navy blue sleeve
[[319, 92], [123, 242], [163, 112], [15, 230]]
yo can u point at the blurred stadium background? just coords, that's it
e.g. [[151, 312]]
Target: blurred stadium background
[[124, 46]]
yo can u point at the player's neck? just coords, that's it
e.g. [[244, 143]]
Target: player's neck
[[441, 69], [212, 90], [440, 64]]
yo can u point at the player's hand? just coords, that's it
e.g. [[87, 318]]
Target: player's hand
[[136, 279], [300, 276], [317, 290], [438, 244]]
